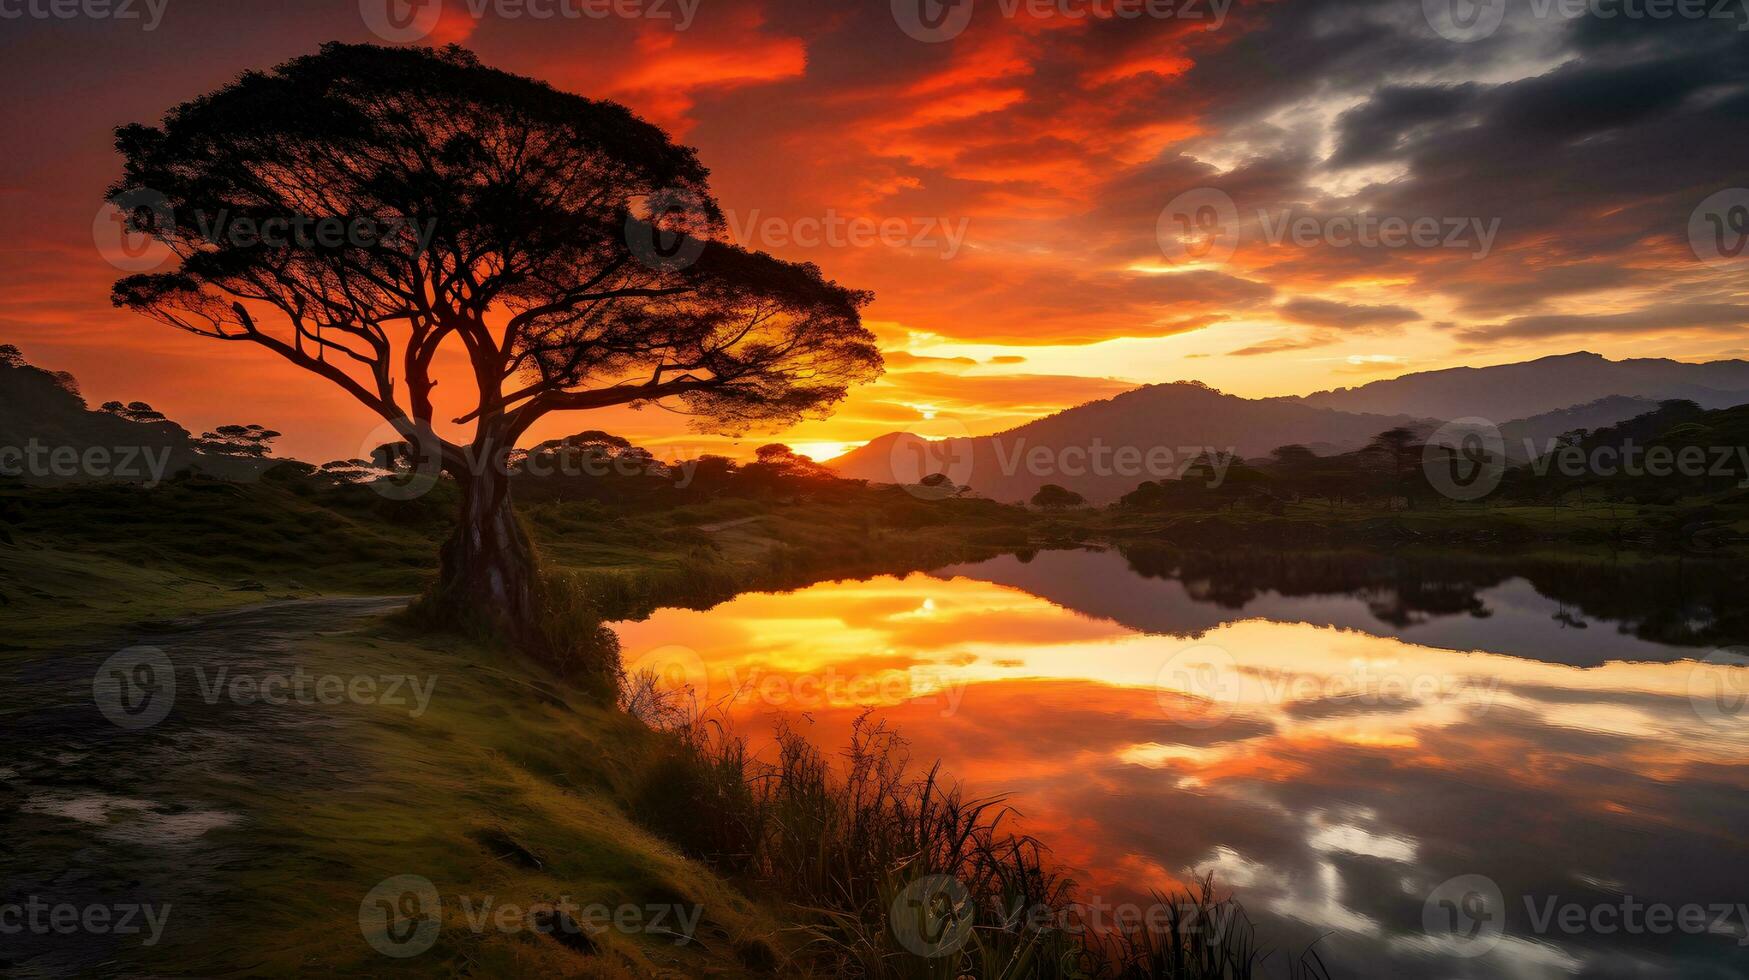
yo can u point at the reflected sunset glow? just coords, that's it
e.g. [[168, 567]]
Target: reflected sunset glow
[[1304, 764]]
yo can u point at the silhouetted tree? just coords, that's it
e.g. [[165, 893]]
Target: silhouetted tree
[[135, 412], [1053, 497], [253, 441], [1397, 453], [418, 200]]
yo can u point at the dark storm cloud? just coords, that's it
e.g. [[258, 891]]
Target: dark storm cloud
[[1328, 313], [1723, 317], [1379, 129], [1592, 140]]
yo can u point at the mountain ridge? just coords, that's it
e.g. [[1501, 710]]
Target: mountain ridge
[[1522, 389], [1577, 390]]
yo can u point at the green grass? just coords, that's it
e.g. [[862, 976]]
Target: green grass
[[863, 851], [508, 787], [510, 760], [86, 560]]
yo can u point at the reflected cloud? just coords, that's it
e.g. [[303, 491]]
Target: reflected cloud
[[1356, 771]]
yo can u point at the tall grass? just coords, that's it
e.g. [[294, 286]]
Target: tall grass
[[895, 876]]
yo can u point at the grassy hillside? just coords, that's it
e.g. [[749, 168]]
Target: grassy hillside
[[75, 559]]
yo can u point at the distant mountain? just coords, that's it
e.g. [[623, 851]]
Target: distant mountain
[[1548, 384], [1533, 401], [1540, 431], [1102, 449]]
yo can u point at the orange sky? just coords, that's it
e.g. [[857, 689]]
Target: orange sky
[[1022, 172]]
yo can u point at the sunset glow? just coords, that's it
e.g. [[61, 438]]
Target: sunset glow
[[1006, 197]]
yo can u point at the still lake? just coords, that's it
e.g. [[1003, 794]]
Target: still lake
[[1432, 767]]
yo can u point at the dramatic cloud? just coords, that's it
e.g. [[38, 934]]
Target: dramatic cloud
[[1719, 317], [1021, 176], [1327, 313]]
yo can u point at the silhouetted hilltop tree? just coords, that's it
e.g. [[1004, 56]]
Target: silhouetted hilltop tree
[[1053, 497], [135, 412], [569, 250], [252, 441], [1396, 456]]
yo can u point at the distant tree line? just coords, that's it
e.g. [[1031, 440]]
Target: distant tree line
[[1676, 451]]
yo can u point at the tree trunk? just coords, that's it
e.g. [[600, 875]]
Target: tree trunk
[[488, 568]]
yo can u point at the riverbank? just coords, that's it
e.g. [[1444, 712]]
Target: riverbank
[[332, 788], [508, 791], [260, 829], [76, 561]]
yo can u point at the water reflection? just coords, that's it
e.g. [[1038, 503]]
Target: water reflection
[[1333, 753]]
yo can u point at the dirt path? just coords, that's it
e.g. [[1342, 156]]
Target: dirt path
[[113, 781]]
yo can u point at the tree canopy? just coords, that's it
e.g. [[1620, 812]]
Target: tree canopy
[[1054, 497], [357, 209]]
